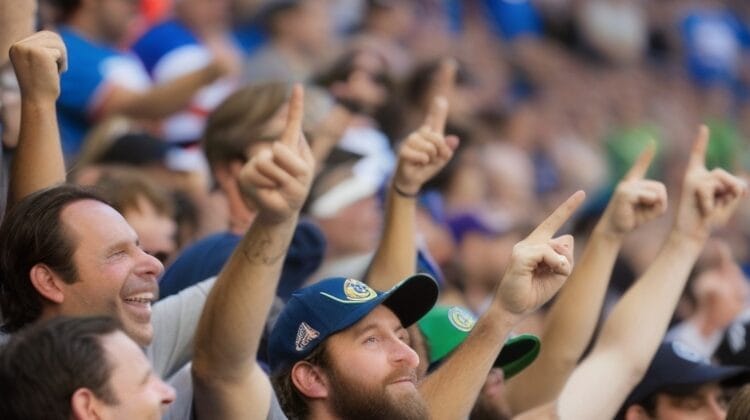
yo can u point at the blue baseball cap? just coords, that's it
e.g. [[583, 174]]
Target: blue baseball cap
[[316, 312], [678, 369]]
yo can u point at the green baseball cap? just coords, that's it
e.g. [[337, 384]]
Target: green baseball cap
[[445, 327]]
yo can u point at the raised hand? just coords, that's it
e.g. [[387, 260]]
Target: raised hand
[[425, 151], [37, 61], [636, 200], [540, 264], [708, 198], [444, 81], [277, 180]]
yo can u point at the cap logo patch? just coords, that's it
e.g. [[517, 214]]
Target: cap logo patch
[[305, 334], [357, 291], [684, 351], [461, 319]]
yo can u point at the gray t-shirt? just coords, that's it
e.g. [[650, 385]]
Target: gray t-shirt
[[175, 320], [182, 407]]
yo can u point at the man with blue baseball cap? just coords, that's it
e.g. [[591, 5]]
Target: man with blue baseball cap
[[340, 349], [682, 384]]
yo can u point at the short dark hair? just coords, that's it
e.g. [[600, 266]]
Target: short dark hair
[[292, 402], [64, 9], [42, 366], [32, 233]]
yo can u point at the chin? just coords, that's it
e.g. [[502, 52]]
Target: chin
[[142, 335]]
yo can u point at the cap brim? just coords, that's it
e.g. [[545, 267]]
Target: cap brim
[[685, 380], [411, 299], [518, 353], [724, 374]]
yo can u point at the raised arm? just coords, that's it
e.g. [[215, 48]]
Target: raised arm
[[572, 319], [38, 161], [229, 383], [635, 327], [161, 100], [422, 155], [538, 268]]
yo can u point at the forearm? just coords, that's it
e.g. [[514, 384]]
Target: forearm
[[641, 316], [395, 258], [451, 391], [16, 22], [644, 311], [164, 99], [569, 326], [233, 320], [38, 161]]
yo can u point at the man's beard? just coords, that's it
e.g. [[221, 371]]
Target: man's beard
[[360, 402]]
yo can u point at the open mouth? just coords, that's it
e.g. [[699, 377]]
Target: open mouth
[[140, 306]]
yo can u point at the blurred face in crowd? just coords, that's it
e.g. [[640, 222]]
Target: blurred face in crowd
[[114, 18], [373, 370], [308, 24], [157, 232], [706, 403], [204, 14], [354, 229], [115, 277], [138, 392], [492, 403]]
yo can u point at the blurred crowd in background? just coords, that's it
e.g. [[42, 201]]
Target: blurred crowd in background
[[551, 96]]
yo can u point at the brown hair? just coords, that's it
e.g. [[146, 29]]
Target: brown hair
[[239, 121], [739, 406], [32, 233], [292, 402], [42, 366], [123, 186]]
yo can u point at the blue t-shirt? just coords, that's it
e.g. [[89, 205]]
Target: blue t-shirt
[[207, 257], [160, 40], [92, 68], [513, 18], [171, 50], [714, 40]]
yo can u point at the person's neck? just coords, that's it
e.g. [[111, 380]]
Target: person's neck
[[319, 410]]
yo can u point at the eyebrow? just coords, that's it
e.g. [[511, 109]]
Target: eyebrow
[[122, 244], [364, 328]]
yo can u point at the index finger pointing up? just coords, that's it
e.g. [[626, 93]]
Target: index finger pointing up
[[437, 115], [640, 167], [546, 230], [698, 153], [293, 130], [445, 79]]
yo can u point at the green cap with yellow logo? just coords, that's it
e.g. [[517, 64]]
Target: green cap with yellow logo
[[445, 327]]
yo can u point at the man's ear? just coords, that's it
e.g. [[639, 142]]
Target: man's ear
[[636, 412], [310, 380], [47, 282], [84, 405]]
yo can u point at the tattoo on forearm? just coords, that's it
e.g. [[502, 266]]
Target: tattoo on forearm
[[264, 249]]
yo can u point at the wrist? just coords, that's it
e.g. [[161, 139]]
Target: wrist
[[607, 233], [271, 218], [689, 242], [405, 192], [501, 317]]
